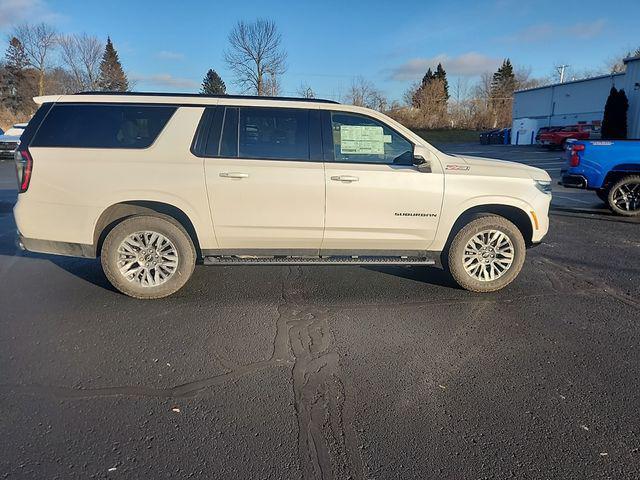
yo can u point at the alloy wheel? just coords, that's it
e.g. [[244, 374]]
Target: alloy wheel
[[147, 258], [488, 255]]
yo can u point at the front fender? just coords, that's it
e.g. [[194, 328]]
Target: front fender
[[538, 220]]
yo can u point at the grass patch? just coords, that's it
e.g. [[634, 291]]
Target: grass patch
[[449, 136]]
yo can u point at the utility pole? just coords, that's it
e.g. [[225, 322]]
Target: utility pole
[[561, 69]]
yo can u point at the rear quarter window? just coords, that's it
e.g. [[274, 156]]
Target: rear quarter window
[[102, 126]]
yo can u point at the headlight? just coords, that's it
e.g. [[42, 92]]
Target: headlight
[[544, 186]]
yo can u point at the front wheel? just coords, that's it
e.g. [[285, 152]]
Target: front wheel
[[624, 196], [148, 257], [487, 254]]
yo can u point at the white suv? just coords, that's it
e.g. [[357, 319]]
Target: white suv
[[153, 183]]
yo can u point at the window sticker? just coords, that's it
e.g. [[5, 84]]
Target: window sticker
[[362, 140]]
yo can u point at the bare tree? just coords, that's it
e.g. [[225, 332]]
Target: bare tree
[[38, 41], [82, 54], [524, 80], [271, 86], [363, 93], [616, 64], [255, 55], [305, 91]]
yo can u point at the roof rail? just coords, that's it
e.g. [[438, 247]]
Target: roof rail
[[198, 95]]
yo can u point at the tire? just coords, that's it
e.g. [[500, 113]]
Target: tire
[[624, 196], [169, 261], [479, 279]]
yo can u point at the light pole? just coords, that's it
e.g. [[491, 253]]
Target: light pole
[[561, 69]]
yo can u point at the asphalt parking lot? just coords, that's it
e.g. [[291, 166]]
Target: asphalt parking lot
[[330, 372]]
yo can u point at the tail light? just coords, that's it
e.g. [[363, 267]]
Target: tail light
[[24, 167], [574, 161]]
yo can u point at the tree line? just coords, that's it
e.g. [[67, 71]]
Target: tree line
[[39, 61]]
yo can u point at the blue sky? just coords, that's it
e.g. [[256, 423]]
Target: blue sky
[[168, 46]]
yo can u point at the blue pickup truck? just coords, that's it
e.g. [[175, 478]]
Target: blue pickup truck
[[609, 167]]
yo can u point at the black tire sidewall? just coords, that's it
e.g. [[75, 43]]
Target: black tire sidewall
[[455, 257], [173, 231], [612, 206]]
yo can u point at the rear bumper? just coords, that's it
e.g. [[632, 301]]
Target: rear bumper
[[55, 248], [573, 181]]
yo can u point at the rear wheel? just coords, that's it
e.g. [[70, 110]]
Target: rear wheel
[[148, 257], [624, 196], [487, 254]]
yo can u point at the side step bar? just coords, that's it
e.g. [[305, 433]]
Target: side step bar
[[229, 260]]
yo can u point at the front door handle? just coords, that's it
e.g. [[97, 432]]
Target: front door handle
[[234, 175], [345, 178]]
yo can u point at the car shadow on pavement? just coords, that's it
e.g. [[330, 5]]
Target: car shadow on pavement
[[87, 269], [425, 274]]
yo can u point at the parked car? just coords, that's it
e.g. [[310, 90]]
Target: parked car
[[485, 137], [558, 138], [542, 130], [499, 137], [9, 141], [152, 183], [611, 168]]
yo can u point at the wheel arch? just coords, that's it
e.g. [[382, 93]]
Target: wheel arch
[[118, 212], [620, 171], [515, 215]]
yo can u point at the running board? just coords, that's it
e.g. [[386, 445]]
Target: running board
[[228, 260]]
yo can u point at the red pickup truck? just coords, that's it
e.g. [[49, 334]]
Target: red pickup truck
[[558, 138]]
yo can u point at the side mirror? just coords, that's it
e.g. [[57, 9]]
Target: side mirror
[[421, 164]]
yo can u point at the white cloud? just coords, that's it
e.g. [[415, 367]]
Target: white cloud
[[542, 32], [165, 80], [169, 55], [467, 64], [13, 12], [586, 30]]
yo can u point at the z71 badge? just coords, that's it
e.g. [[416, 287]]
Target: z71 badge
[[453, 166]]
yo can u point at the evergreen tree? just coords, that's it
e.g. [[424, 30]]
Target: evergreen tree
[[426, 81], [112, 77], [503, 83], [442, 76], [213, 84], [15, 88], [609, 118], [15, 57], [427, 77], [623, 108]]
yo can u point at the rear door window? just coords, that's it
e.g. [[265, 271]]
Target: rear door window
[[102, 126], [273, 133]]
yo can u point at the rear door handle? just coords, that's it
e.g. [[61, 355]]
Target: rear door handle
[[345, 178], [234, 175]]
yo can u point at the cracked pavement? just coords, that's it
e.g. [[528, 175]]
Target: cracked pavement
[[328, 372]]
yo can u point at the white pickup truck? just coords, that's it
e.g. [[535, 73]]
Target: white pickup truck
[[153, 183], [9, 141]]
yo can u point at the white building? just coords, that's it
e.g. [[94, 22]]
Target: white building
[[570, 103]]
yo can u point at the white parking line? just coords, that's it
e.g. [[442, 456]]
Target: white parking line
[[572, 199]]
